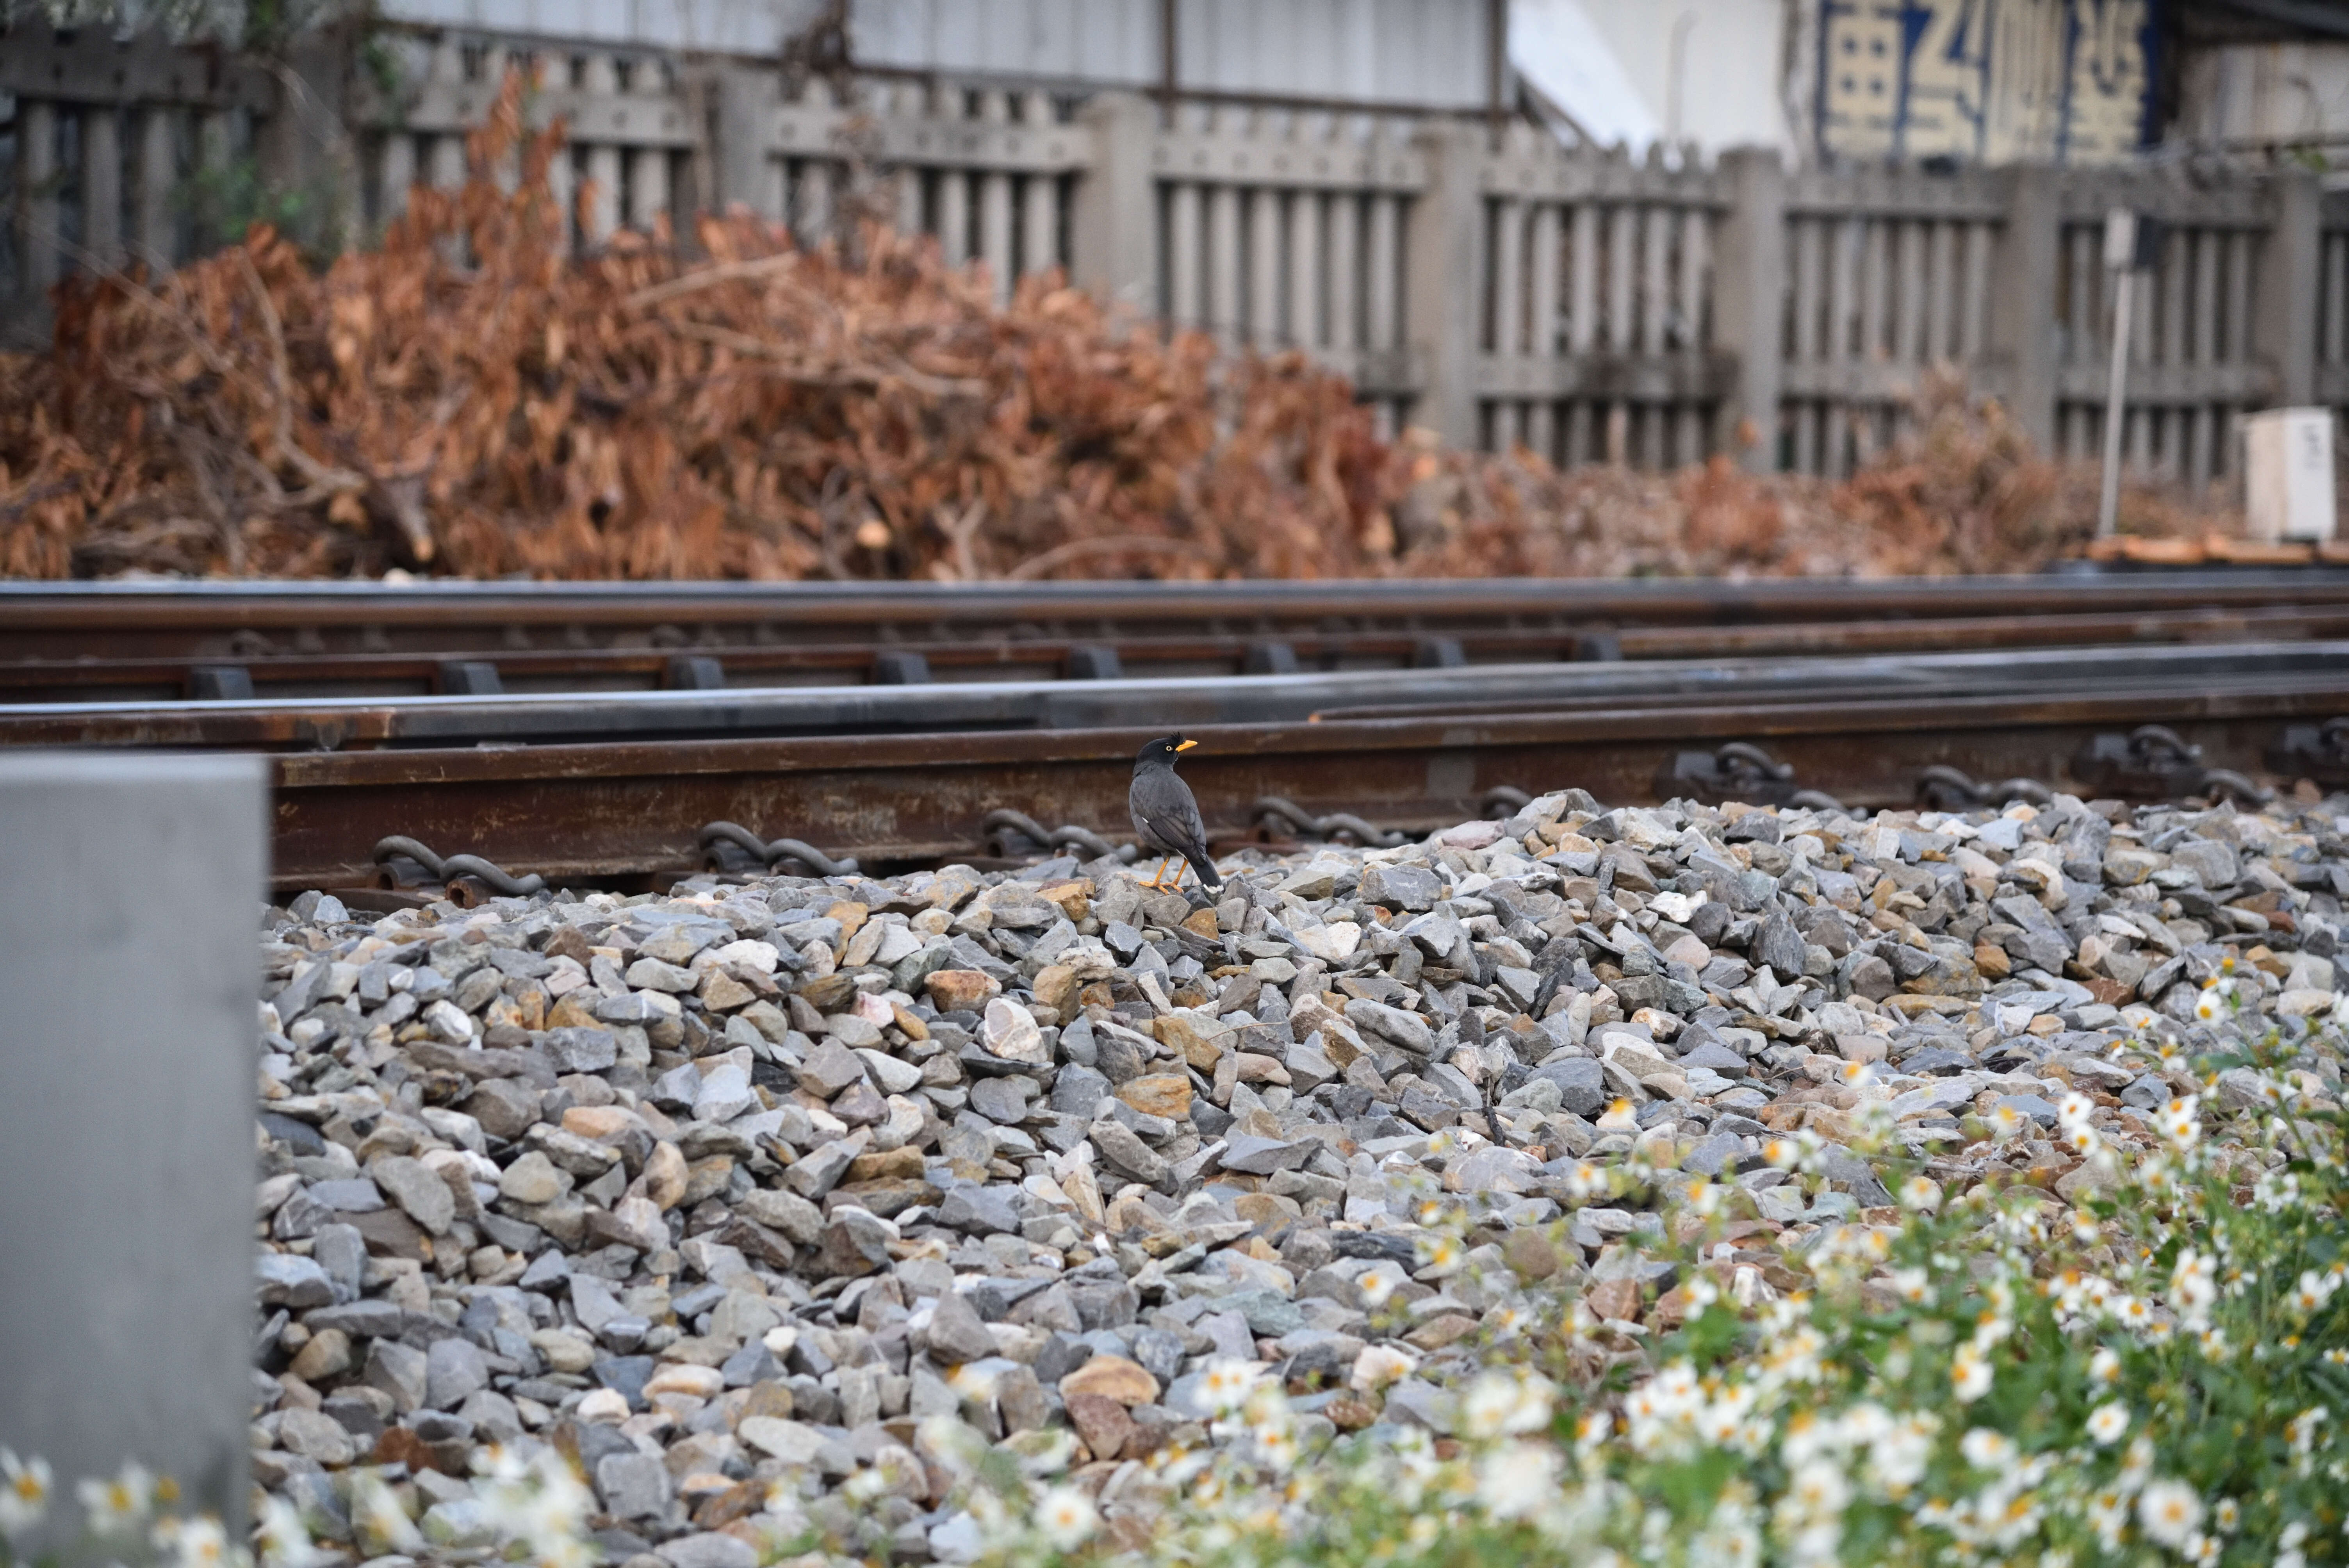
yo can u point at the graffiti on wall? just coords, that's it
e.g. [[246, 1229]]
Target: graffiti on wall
[[1985, 81]]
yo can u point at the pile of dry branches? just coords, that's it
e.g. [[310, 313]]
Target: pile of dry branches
[[469, 400]]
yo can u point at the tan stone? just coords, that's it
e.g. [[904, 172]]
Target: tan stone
[[896, 1163], [1112, 1378], [914, 1029], [1860, 1047], [1615, 1298], [1991, 961], [708, 1177], [1074, 896], [721, 993], [600, 1122], [773, 1400], [666, 1176], [328, 1354], [1439, 1331], [1054, 985], [959, 990], [1101, 1422], [1158, 1094], [564, 1350], [567, 1014], [1267, 1208], [1530, 1255], [1198, 1046], [1256, 1069], [851, 916], [698, 1382]]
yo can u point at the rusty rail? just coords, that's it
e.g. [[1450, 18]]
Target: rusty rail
[[631, 810]]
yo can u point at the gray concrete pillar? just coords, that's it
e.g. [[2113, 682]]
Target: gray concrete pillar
[[1443, 303], [1113, 220], [1750, 295], [129, 892], [2287, 296], [744, 118], [2022, 338]]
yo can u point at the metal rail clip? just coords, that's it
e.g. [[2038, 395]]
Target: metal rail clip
[[735, 850], [1273, 814], [403, 862], [2315, 751], [1010, 834], [1737, 771], [1942, 788], [2153, 762], [1503, 801]]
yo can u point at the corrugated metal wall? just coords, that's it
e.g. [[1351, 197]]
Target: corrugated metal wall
[[1113, 41], [730, 26], [1431, 52]]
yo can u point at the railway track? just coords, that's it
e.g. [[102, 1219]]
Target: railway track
[[81, 642], [622, 791], [566, 732]]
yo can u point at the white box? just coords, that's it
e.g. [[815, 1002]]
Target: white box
[[2288, 474]]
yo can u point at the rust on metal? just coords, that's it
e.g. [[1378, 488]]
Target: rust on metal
[[581, 812]]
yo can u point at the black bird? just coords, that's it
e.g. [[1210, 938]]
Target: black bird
[[1166, 814]]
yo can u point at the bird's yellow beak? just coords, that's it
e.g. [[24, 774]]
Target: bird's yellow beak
[[1187, 746]]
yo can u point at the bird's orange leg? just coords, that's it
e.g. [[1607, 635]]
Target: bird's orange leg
[[1157, 882]]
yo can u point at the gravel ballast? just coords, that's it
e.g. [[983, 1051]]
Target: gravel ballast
[[724, 1194]]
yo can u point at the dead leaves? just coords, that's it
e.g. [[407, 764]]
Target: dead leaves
[[468, 398]]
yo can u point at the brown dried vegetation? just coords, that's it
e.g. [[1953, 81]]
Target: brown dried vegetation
[[467, 399]]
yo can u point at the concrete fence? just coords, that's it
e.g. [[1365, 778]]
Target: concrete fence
[[1476, 278]]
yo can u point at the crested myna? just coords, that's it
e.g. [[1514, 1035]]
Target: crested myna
[[1165, 815]]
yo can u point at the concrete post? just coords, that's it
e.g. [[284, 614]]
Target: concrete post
[[739, 133], [39, 263], [2286, 329], [130, 887], [2022, 301], [1113, 220], [1441, 281], [155, 230], [1750, 301], [101, 184]]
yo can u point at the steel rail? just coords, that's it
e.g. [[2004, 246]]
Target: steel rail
[[212, 620], [549, 719], [632, 810], [1003, 658]]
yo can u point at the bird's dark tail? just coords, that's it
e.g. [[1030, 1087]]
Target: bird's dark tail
[[1205, 869]]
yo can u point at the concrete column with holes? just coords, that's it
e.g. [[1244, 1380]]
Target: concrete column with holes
[[129, 957], [1749, 293], [2289, 293], [1441, 280], [1113, 218], [2021, 362]]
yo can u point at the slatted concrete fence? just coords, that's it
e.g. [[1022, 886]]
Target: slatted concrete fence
[[1479, 279]]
